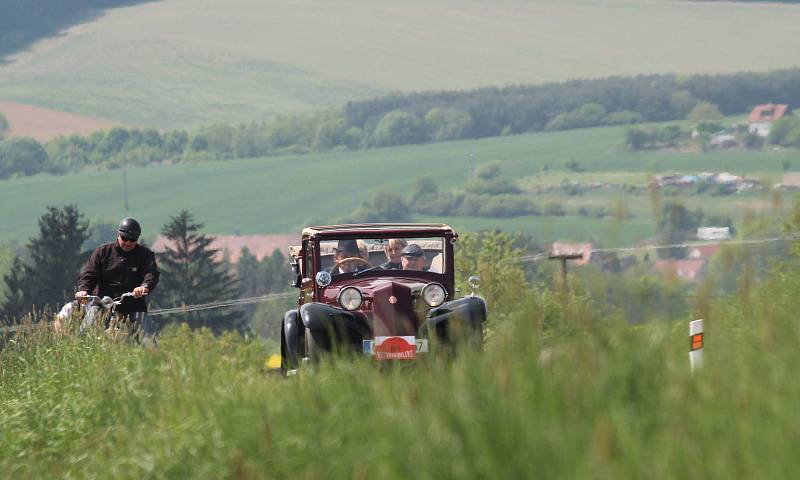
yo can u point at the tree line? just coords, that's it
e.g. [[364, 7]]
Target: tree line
[[43, 277], [402, 119], [25, 21]]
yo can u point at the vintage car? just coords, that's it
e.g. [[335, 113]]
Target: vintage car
[[383, 290]]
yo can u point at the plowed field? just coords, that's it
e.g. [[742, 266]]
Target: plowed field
[[44, 123]]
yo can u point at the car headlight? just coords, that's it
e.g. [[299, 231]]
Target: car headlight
[[434, 294], [323, 279], [350, 298]]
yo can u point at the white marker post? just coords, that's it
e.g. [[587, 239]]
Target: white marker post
[[696, 344]]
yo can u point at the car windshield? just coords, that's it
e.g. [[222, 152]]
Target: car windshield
[[388, 255]]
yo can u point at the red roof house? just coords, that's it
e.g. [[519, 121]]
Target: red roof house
[[763, 116], [690, 269], [259, 245], [703, 251]]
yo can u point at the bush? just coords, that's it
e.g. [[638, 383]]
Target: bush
[[625, 117], [486, 181], [506, 206], [589, 115], [447, 124], [553, 209], [637, 138], [398, 128], [705, 112], [21, 156]]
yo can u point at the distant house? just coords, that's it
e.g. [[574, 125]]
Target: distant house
[[689, 269], [703, 251], [714, 233], [763, 116], [259, 245], [724, 140], [791, 181]]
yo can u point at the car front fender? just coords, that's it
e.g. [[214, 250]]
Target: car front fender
[[468, 313], [324, 319]]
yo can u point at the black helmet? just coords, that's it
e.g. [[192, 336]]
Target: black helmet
[[129, 227]]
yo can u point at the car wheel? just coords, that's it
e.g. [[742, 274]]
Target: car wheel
[[313, 350], [285, 361]]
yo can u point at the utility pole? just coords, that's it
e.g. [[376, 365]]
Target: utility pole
[[125, 188], [563, 257]]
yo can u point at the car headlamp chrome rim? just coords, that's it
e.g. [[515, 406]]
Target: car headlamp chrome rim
[[323, 279], [434, 294], [350, 298]]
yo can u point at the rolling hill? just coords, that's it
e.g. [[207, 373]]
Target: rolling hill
[[282, 194], [187, 62]]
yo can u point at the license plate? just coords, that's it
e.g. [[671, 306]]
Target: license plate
[[397, 348]]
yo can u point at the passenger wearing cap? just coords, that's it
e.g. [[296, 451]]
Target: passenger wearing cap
[[412, 257], [347, 258]]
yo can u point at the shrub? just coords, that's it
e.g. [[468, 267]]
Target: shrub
[[447, 124], [398, 128], [553, 209], [21, 156], [624, 117]]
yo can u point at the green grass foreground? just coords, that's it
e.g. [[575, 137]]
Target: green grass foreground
[[594, 399]]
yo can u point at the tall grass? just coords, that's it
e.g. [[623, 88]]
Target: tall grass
[[559, 392]]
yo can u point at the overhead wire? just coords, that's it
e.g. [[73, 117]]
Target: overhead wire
[[524, 259]]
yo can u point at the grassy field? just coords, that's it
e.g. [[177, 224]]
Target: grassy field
[[188, 62], [282, 194], [593, 398]]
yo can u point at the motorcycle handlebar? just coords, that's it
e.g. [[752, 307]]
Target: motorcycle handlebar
[[106, 301]]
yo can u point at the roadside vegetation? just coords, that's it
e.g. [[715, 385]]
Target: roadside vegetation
[[565, 388]]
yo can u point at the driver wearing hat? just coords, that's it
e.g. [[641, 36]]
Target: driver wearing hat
[[347, 249]]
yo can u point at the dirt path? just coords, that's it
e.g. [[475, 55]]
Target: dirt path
[[44, 124]]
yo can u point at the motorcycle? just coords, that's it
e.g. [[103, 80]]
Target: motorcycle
[[116, 325]]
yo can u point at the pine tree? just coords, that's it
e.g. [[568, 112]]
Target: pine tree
[[17, 301], [190, 276], [48, 279], [56, 255]]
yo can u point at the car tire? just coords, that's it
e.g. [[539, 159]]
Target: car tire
[[285, 363], [313, 349]]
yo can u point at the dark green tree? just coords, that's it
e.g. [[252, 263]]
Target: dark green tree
[[56, 254], [3, 126], [191, 276], [398, 128], [270, 275], [21, 156], [56, 257], [17, 301], [676, 225]]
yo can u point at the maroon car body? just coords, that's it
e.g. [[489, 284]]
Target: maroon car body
[[387, 311]]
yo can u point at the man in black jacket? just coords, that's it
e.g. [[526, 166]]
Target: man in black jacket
[[120, 267]]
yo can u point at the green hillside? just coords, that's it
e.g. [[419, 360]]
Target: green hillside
[[282, 194], [180, 62]]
